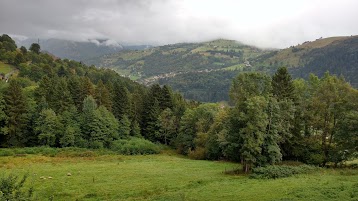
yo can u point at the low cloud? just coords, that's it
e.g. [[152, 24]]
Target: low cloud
[[275, 23]]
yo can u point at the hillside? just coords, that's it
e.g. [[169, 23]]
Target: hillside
[[203, 71], [171, 60], [78, 51]]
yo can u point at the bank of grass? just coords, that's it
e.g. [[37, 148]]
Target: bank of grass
[[6, 68], [168, 176]]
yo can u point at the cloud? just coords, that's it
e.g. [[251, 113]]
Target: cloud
[[274, 23]]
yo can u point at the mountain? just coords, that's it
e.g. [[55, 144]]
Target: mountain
[[73, 50], [149, 65], [203, 71]]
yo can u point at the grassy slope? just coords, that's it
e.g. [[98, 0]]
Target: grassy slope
[[165, 177], [289, 58], [6, 68]]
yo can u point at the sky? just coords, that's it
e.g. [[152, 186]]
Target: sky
[[263, 23]]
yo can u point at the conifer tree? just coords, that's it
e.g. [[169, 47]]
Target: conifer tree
[[166, 98], [121, 101], [124, 127], [16, 111], [102, 96], [3, 121], [282, 84]]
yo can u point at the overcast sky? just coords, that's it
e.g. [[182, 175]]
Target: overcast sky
[[264, 23]]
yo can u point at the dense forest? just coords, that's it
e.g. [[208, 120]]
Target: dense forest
[[62, 103]]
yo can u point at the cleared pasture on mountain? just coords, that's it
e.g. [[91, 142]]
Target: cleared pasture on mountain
[[168, 177]]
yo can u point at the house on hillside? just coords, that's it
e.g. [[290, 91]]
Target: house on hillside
[[247, 64]]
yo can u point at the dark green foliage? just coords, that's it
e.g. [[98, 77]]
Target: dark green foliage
[[124, 127], [35, 48], [280, 171], [204, 87], [339, 58], [7, 43], [16, 111], [102, 96], [3, 121], [121, 98], [12, 188], [282, 85], [48, 127]]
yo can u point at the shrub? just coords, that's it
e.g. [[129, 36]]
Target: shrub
[[6, 152], [198, 154], [12, 189], [274, 171], [134, 146]]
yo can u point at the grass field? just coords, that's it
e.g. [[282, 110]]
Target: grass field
[[168, 177], [5, 68]]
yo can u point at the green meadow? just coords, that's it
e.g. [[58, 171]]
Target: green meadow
[[167, 176]]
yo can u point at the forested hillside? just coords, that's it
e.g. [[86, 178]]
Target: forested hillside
[[61, 103], [186, 67], [179, 58]]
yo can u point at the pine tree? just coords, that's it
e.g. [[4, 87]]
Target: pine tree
[[102, 96], [74, 86], [167, 126], [16, 111], [121, 101], [135, 129], [166, 98], [61, 99], [3, 122], [87, 88], [124, 127], [282, 85]]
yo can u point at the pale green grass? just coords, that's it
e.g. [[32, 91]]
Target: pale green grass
[[6, 68], [169, 177], [234, 67]]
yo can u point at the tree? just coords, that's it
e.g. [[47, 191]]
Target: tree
[[124, 127], [121, 98], [3, 121], [102, 96], [99, 126], [35, 48], [61, 96], [72, 135], [74, 86], [23, 50], [255, 123], [252, 114], [167, 126], [49, 127], [135, 129], [166, 98], [282, 85], [16, 111], [87, 88], [328, 105], [346, 138]]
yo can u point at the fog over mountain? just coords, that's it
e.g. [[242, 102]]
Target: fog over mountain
[[275, 23]]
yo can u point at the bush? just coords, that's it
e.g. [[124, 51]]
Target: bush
[[11, 188], [6, 152], [198, 154], [134, 146], [274, 171]]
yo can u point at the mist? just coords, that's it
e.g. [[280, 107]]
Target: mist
[[266, 24]]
